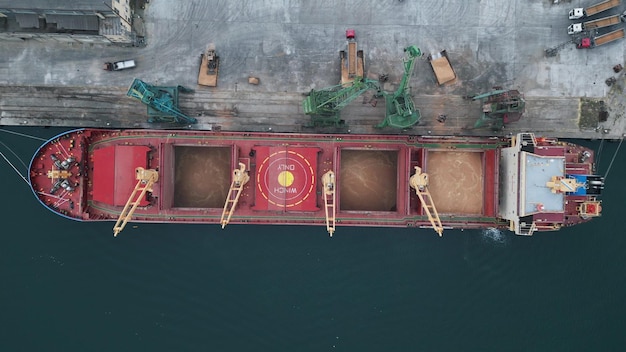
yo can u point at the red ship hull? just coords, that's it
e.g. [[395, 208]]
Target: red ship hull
[[89, 174]]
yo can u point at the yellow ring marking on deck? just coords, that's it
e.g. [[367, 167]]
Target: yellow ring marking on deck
[[285, 178]]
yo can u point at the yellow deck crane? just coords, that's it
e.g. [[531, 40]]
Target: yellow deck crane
[[328, 182], [145, 180], [240, 178], [419, 182]]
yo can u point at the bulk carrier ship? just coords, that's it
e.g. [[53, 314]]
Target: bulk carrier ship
[[520, 183]]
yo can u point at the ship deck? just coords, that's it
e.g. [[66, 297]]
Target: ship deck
[[573, 166], [474, 182], [285, 171]]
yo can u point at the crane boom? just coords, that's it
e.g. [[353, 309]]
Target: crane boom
[[324, 105], [413, 53], [499, 108], [240, 178], [328, 182], [419, 182], [400, 108], [145, 180]]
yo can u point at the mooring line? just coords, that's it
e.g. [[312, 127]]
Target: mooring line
[[599, 153], [15, 155], [23, 135], [613, 159], [14, 168]]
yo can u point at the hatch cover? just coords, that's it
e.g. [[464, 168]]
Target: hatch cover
[[286, 178]]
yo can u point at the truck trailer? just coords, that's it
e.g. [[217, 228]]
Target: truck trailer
[[595, 24], [442, 68], [352, 64], [580, 12], [593, 41]]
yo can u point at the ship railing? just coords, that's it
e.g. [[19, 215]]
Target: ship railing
[[526, 229], [527, 138]]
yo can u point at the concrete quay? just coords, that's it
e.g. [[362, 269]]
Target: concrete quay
[[292, 46]]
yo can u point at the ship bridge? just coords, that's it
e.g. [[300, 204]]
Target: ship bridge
[[544, 185], [524, 176]]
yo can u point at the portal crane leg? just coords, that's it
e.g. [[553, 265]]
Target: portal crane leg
[[419, 182], [240, 178], [328, 182], [145, 181]]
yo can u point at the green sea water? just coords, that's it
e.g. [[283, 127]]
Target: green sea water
[[70, 286]]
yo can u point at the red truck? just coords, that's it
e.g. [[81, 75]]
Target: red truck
[[592, 42]]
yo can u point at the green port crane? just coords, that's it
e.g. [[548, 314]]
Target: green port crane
[[324, 105], [162, 102], [400, 109], [499, 108]]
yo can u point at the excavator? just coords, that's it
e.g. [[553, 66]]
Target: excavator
[[324, 105], [209, 67]]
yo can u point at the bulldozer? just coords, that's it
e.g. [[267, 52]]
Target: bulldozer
[[209, 67]]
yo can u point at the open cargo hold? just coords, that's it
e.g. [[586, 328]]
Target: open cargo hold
[[519, 183]]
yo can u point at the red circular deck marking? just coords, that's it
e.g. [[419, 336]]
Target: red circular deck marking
[[286, 178]]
